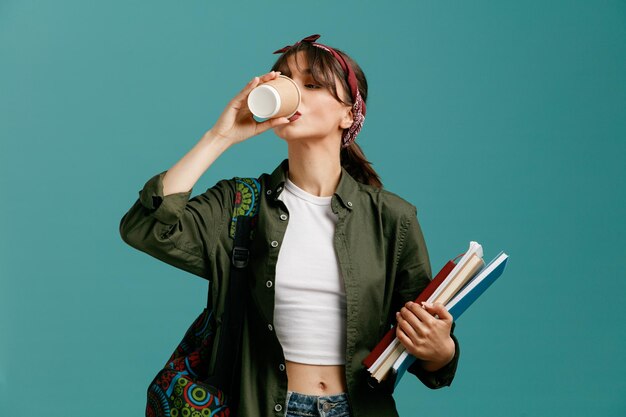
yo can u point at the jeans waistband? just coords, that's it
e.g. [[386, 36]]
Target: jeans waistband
[[304, 405], [304, 397]]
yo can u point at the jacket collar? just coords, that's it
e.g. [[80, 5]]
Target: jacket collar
[[346, 190]]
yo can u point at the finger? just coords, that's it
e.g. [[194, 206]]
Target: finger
[[243, 94], [252, 84], [271, 123], [419, 327], [421, 313], [438, 310], [406, 330], [405, 339], [407, 327], [269, 76]]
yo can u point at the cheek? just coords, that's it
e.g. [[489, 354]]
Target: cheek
[[327, 108]]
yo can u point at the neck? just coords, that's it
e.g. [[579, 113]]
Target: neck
[[315, 168]]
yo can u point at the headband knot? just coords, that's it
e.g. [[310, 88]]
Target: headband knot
[[358, 106]]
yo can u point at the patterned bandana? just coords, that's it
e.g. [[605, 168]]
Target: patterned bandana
[[358, 108]]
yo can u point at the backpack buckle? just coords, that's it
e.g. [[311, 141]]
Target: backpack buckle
[[240, 257]]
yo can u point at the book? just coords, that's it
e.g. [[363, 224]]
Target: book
[[466, 269], [473, 264], [401, 365], [380, 373], [477, 285], [423, 296], [384, 355], [459, 303], [456, 286], [390, 348], [474, 249]]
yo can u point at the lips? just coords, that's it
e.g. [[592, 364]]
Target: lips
[[295, 117]]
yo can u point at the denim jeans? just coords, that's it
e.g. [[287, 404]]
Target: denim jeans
[[302, 405]]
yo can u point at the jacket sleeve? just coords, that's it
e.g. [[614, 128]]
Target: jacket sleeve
[[176, 229], [413, 275]]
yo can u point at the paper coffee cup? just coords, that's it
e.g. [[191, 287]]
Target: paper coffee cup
[[279, 97]]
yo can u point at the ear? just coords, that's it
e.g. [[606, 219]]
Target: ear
[[347, 119]]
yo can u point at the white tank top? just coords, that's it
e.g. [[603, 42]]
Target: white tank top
[[310, 299]]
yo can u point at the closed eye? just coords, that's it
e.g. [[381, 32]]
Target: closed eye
[[312, 86]]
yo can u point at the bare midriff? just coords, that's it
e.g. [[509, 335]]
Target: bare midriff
[[315, 379]]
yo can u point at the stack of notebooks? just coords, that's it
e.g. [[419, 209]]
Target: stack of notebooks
[[456, 286]]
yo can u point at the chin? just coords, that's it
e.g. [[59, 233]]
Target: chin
[[287, 132]]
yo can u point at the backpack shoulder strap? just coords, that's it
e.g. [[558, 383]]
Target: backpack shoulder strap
[[243, 222], [246, 204], [244, 218]]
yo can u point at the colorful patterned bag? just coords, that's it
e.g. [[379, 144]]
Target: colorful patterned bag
[[185, 387]]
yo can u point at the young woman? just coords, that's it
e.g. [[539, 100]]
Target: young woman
[[336, 259]]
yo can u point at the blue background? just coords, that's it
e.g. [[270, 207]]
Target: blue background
[[504, 122]]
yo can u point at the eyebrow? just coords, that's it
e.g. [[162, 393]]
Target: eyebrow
[[305, 71]]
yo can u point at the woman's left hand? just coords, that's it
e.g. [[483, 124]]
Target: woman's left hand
[[425, 333]]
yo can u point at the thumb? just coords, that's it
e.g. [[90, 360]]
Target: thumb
[[438, 310], [243, 94]]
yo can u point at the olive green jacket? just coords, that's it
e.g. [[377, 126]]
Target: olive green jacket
[[382, 257]]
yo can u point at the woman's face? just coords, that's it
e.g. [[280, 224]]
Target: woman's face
[[321, 115]]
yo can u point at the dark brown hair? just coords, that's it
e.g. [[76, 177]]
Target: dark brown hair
[[324, 67]]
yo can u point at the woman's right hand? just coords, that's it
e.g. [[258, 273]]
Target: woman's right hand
[[236, 122]]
